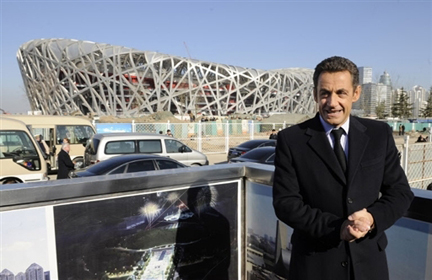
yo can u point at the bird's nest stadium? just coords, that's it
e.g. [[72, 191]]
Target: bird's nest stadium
[[63, 76]]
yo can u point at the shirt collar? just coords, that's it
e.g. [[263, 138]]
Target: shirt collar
[[328, 127]]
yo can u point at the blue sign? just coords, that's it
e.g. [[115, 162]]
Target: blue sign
[[113, 127]]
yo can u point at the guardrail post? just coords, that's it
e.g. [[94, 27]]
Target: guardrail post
[[252, 130], [199, 138], [405, 154], [227, 133], [133, 126], [284, 124]]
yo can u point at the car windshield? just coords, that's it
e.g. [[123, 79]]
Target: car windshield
[[258, 154], [251, 144], [77, 134]]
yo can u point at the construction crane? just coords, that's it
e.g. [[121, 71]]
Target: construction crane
[[187, 49]]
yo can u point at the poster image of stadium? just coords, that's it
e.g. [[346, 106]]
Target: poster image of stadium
[[268, 249], [185, 233]]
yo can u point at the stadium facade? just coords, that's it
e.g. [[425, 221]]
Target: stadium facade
[[63, 76]]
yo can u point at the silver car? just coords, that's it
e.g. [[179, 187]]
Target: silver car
[[106, 145]]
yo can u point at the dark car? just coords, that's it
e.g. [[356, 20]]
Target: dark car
[[265, 155], [128, 164], [249, 145]]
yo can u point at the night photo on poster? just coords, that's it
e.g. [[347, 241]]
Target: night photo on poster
[[188, 233]]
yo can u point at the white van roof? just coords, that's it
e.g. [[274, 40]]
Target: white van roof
[[8, 123], [130, 135]]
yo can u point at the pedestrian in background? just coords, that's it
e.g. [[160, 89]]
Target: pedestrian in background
[[42, 144], [65, 164], [273, 134]]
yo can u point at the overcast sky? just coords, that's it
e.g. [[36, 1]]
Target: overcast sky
[[392, 36]]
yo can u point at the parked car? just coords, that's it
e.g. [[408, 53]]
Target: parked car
[[128, 164], [265, 155], [106, 145], [249, 145]]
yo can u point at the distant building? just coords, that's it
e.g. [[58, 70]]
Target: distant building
[[418, 96], [385, 79], [372, 95], [365, 75], [34, 272], [21, 276], [6, 275]]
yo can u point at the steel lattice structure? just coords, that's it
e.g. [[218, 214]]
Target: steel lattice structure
[[63, 76]]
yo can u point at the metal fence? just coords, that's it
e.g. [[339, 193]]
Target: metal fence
[[416, 160], [212, 137]]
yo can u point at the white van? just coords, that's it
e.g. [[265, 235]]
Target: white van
[[55, 128], [105, 145], [21, 159]]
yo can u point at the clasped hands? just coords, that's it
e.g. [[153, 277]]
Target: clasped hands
[[357, 225]]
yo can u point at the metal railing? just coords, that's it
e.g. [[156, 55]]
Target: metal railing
[[416, 160], [176, 224]]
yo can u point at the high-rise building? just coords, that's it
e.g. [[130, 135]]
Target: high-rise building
[[385, 79], [373, 95], [6, 275], [20, 276], [418, 96], [34, 272], [365, 74], [369, 98]]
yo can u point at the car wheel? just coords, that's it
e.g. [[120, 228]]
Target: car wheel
[[10, 181]]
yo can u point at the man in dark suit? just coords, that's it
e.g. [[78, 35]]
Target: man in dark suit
[[273, 134], [65, 163], [338, 209]]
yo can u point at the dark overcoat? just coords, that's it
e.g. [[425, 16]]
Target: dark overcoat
[[313, 195], [65, 165]]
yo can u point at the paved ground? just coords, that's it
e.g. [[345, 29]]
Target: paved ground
[[217, 158]]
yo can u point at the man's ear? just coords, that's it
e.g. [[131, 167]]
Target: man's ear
[[315, 95], [357, 93]]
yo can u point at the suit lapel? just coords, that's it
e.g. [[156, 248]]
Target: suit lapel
[[319, 143], [357, 142]]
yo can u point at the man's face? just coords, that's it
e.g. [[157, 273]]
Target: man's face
[[335, 95]]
